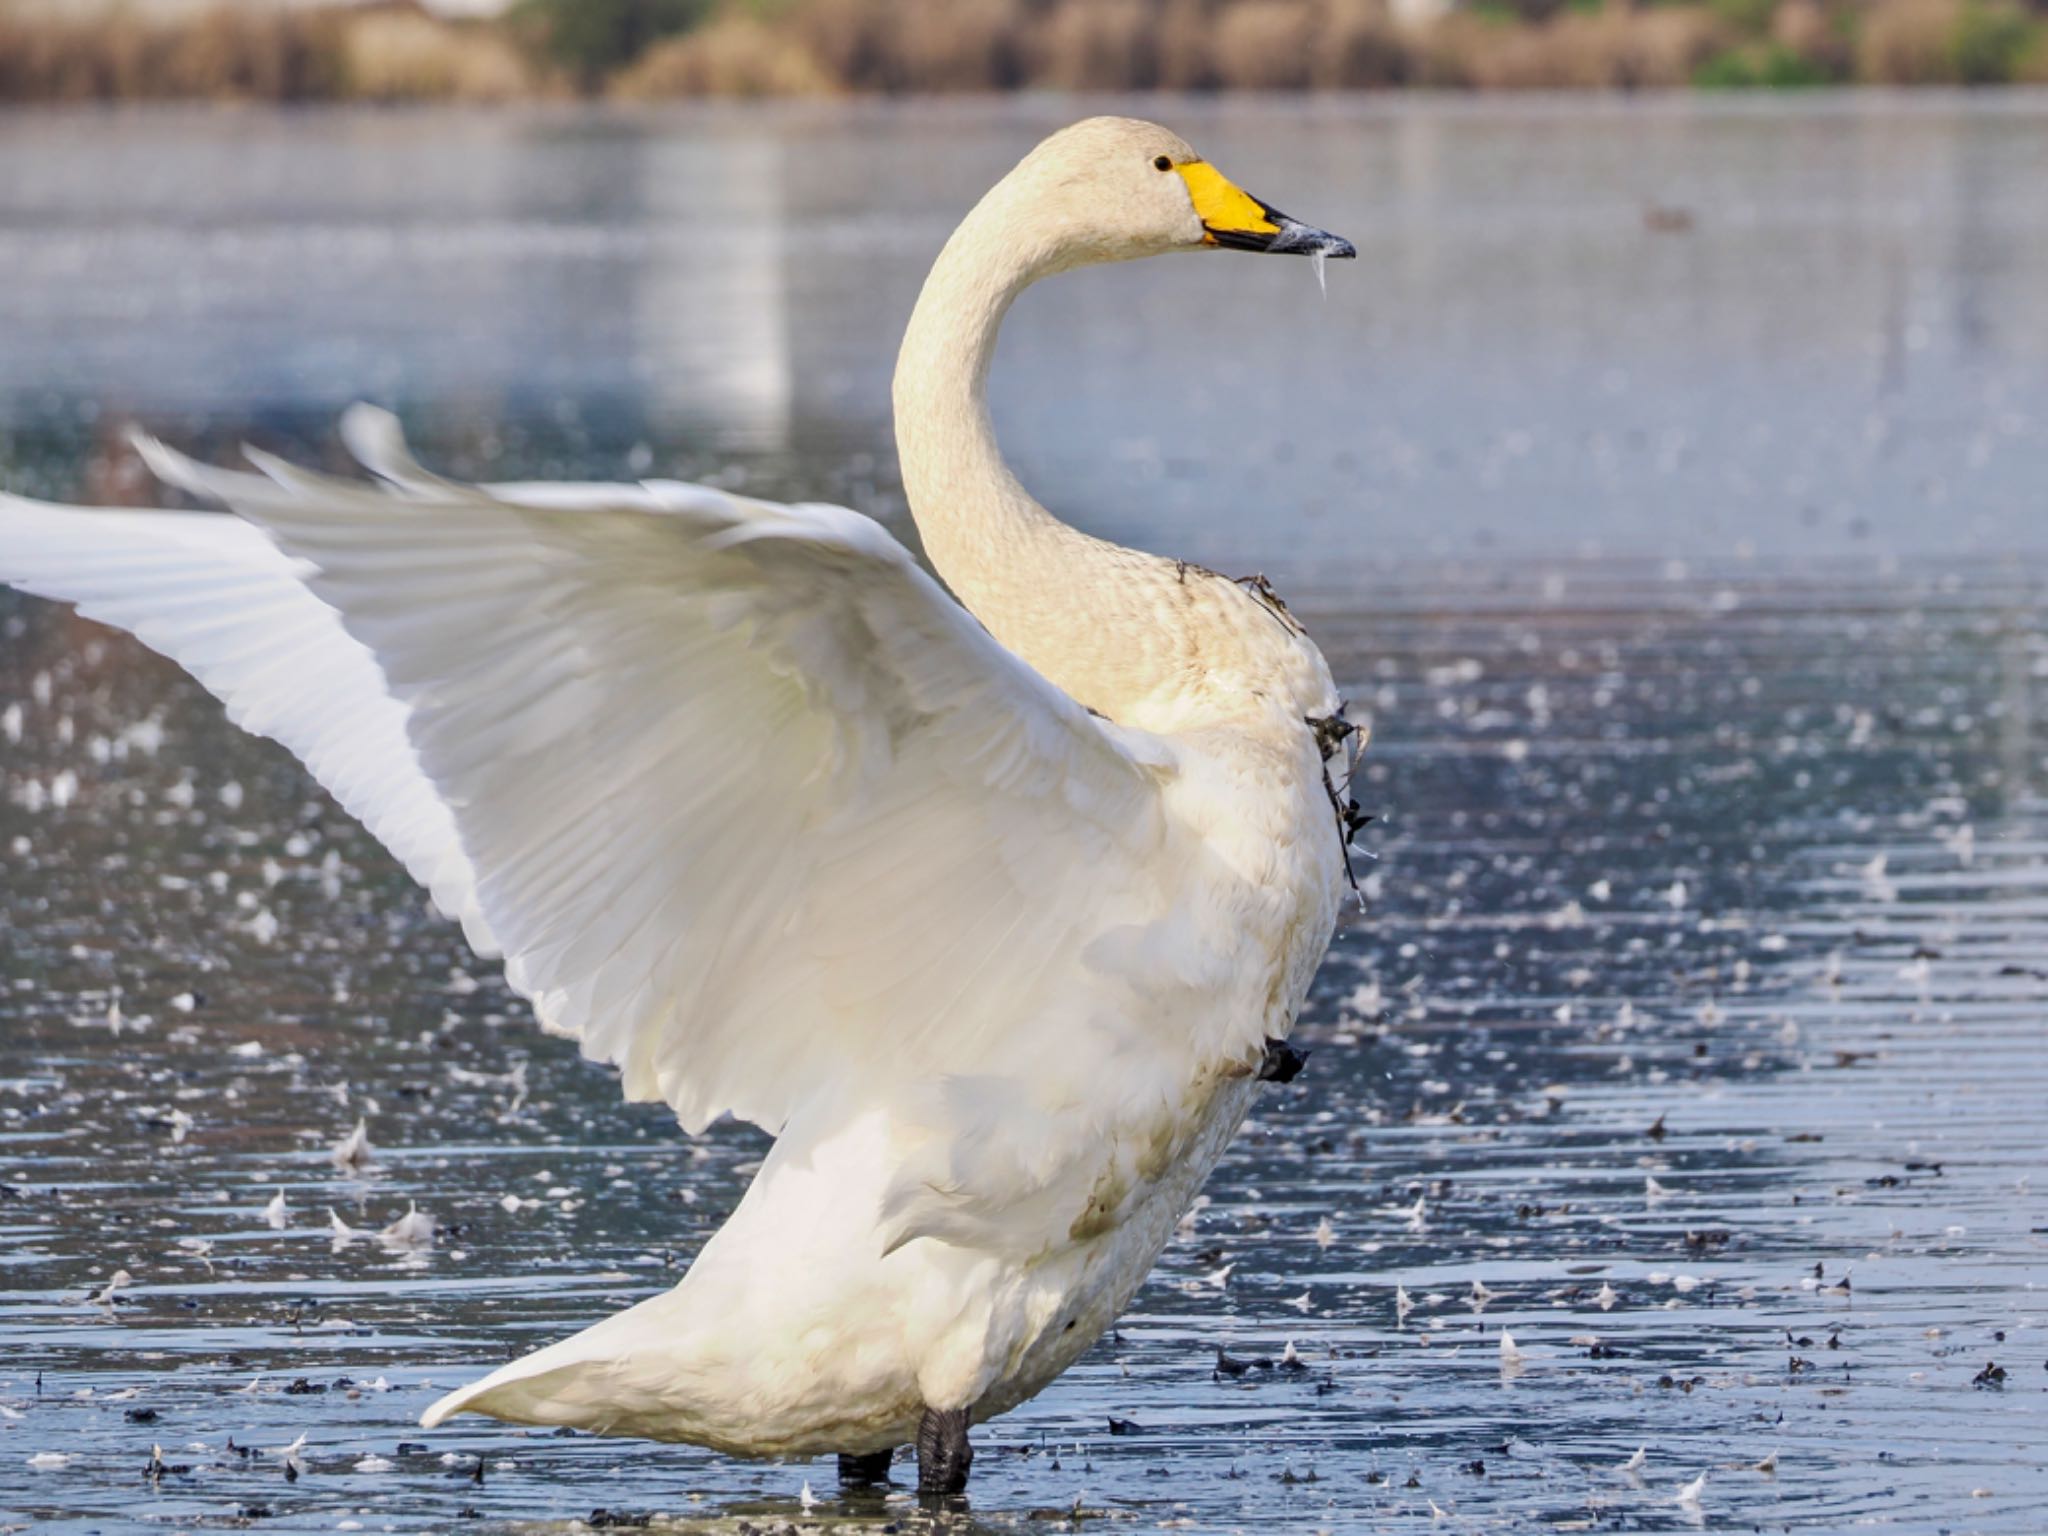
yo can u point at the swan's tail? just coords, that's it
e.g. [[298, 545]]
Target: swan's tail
[[620, 1376]]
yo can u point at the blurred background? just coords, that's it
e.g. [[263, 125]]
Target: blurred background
[[505, 49], [1665, 481]]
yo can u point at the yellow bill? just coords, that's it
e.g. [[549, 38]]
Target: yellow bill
[[1232, 217]]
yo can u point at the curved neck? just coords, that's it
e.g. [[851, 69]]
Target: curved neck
[[992, 543]]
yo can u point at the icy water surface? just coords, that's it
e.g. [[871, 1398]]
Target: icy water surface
[[1694, 1029]]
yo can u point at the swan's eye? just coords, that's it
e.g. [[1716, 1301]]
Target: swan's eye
[[1162, 164]]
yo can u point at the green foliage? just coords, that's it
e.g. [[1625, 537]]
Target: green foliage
[[591, 38], [1729, 70], [1783, 69], [1771, 68], [1989, 42], [1752, 18]]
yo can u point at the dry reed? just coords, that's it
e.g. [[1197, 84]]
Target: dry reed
[[225, 53], [405, 55], [730, 56], [396, 51]]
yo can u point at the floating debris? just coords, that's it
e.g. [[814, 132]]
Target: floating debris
[[353, 1153], [1512, 1356], [1228, 1364], [415, 1229]]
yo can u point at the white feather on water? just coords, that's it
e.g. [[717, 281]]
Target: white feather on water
[[353, 1152], [413, 1230], [1513, 1358]]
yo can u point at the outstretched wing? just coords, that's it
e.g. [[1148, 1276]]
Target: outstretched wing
[[751, 806], [219, 598]]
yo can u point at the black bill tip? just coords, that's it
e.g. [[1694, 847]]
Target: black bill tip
[[1287, 237], [1299, 239]]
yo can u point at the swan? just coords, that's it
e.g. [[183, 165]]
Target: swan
[[994, 912]]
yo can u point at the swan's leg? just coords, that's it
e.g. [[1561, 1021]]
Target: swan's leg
[[943, 1451], [868, 1469]]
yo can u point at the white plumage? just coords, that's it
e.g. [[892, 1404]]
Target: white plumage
[[988, 918]]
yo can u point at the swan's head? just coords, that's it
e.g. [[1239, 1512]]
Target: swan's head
[[1114, 188]]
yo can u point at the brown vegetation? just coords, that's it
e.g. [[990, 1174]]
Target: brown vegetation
[[1951, 42], [233, 52], [730, 56], [405, 55], [397, 52], [1658, 49], [229, 53]]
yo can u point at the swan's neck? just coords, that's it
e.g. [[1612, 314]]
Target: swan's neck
[[1027, 576]]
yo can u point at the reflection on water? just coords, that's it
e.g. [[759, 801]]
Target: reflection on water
[[1680, 328], [1693, 1033]]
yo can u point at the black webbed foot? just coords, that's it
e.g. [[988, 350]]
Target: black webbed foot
[[1283, 1062]]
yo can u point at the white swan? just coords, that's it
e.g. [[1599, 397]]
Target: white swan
[[995, 925]]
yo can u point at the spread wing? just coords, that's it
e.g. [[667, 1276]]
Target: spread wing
[[219, 598], [750, 805]]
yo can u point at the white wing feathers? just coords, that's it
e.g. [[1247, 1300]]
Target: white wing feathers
[[752, 807], [216, 596]]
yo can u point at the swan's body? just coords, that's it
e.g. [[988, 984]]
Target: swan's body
[[991, 923]]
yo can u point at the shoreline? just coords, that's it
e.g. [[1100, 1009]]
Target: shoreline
[[393, 52], [1056, 106]]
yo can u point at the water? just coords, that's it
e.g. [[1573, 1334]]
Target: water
[[1691, 575]]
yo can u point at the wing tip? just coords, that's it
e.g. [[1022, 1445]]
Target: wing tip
[[375, 439], [442, 1409], [171, 467]]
